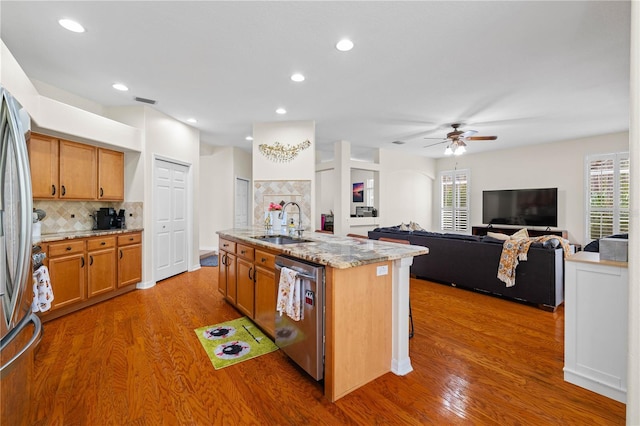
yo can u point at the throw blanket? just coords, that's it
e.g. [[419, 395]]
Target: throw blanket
[[514, 251]]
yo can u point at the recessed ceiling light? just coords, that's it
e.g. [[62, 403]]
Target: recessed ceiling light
[[249, 138], [344, 45], [297, 77], [192, 120], [71, 25], [281, 111], [119, 86]]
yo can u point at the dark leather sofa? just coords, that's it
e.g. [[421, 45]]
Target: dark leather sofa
[[471, 262]]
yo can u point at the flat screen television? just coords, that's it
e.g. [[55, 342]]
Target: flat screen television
[[526, 207]]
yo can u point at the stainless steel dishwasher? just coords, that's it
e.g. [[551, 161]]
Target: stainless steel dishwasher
[[303, 341]]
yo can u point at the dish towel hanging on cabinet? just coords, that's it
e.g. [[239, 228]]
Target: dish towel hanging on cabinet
[[42, 291], [289, 294]]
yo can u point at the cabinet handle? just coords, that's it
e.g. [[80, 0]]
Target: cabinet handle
[[64, 191], [120, 254], [101, 192], [263, 260], [90, 260], [103, 243], [130, 238], [53, 190], [250, 277], [242, 252], [82, 258], [68, 248]]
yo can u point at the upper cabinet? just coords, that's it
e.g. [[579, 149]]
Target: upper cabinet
[[43, 158], [110, 174], [64, 170], [78, 171]]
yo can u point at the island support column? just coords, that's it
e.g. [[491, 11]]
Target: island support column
[[400, 362]]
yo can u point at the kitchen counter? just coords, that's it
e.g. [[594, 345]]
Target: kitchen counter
[[331, 250], [366, 303], [60, 236]]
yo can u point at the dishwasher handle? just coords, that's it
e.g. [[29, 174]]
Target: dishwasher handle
[[300, 274]]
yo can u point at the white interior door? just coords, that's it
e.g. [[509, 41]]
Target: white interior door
[[171, 221], [242, 203]]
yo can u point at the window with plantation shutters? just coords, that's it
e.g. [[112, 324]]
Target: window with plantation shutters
[[607, 196], [454, 200]]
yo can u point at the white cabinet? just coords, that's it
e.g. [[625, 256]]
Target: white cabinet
[[596, 317]]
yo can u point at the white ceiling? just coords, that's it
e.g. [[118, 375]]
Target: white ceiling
[[528, 72]]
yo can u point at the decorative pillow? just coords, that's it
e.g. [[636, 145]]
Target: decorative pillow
[[404, 227], [498, 236], [415, 227], [520, 235]]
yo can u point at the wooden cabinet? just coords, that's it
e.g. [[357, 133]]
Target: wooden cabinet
[[67, 272], [85, 271], [43, 159], [101, 272], [129, 259], [78, 171], [265, 291], [110, 174], [227, 268], [66, 170], [245, 279]]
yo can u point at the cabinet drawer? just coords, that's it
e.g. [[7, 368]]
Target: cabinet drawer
[[266, 260], [127, 239], [101, 243], [66, 247], [245, 251], [228, 246]]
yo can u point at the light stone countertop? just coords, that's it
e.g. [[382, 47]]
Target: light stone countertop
[[327, 249], [60, 236]]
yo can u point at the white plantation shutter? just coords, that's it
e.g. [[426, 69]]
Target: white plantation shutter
[[607, 195], [454, 200]]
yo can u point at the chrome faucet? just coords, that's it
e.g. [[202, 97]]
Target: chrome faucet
[[299, 228]]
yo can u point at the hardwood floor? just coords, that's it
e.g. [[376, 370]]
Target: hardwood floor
[[135, 360]]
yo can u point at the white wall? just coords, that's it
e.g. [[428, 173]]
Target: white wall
[[559, 164], [219, 167]]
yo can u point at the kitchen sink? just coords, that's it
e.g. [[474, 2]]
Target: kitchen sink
[[281, 239]]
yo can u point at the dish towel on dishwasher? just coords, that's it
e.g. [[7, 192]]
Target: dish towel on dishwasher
[[42, 291], [289, 294]]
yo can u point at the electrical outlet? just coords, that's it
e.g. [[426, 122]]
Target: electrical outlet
[[382, 270]]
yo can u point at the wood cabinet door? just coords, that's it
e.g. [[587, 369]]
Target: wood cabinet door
[[67, 274], [266, 293], [110, 174], [245, 287], [101, 272], [43, 161], [231, 278], [129, 265], [78, 171]]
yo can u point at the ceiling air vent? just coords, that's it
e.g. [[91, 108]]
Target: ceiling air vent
[[398, 142], [146, 101]]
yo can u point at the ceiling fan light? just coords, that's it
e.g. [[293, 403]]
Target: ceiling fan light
[[448, 151], [459, 150]]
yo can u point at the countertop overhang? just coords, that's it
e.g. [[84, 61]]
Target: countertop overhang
[[330, 250]]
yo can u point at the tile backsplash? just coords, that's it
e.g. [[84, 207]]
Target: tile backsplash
[[69, 216], [276, 191]]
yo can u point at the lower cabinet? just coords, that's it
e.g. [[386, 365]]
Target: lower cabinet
[[247, 281], [85, 271], [101, 272], [265, 292], [67, 273]]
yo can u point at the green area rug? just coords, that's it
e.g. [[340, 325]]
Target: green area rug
[[233, 341]]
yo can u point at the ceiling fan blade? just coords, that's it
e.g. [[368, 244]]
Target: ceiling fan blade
[[482, 138], [434, 144], [468, 133], [442, 139]]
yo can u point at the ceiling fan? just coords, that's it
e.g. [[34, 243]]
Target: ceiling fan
[[457, 138]]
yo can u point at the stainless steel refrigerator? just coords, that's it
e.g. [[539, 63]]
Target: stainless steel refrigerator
[[20, 329]]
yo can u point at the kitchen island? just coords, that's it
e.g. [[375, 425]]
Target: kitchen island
[[366, 303]]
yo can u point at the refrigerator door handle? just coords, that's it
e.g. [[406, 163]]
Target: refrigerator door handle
[[35, 339]]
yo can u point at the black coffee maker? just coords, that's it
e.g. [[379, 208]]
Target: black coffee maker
[[105, 218]]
